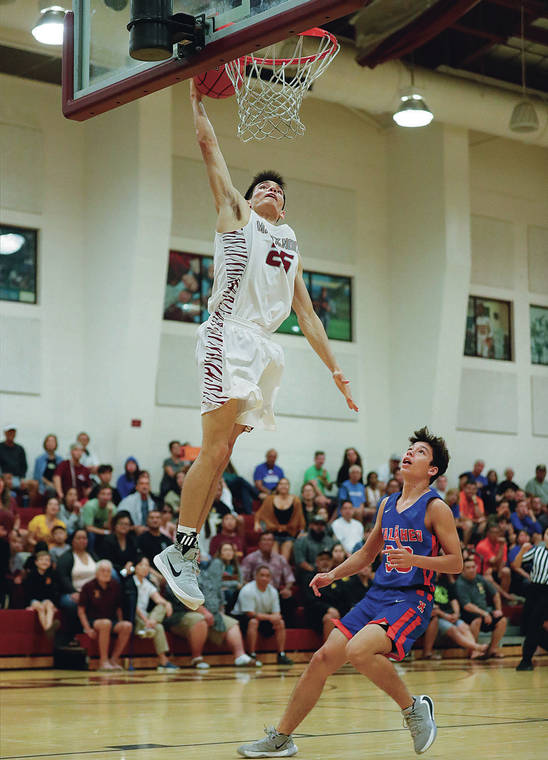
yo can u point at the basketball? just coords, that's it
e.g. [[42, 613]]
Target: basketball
[[215, 83]]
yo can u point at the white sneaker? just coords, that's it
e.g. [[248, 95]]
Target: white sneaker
[[244, 660], [199, 663], [181, 573]]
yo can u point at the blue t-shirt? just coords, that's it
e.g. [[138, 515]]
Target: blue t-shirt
[[526, 524], [269, 476], [354, 492]]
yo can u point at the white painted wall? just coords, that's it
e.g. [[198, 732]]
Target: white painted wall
[[101, 193]]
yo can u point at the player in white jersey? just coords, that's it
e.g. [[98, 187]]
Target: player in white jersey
[[257, 279]]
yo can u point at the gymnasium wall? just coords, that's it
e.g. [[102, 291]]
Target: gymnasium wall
[[112, 195]]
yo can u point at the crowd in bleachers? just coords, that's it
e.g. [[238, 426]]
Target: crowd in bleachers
[[72, 539]]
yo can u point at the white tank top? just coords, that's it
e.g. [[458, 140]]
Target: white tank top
[[255, 270], [82, 572]]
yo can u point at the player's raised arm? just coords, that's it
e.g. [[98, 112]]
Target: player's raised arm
[[228, 200], [313, 331]]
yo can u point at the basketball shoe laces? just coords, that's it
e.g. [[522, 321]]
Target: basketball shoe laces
[[412, 722]]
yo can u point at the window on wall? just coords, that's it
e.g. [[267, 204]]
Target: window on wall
[[18, 264], [332, 300], [538, 322], [188, 287], [488, 329]]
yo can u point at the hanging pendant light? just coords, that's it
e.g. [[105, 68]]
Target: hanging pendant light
[[412, 110], [524, 117], [49, 28]]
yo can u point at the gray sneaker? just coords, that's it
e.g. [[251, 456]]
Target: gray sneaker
[[419, 719], [275, 745], [181, 573]]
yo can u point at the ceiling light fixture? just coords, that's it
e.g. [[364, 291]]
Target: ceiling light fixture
[[49, 28], [524, 117], [11, 242], [412, 111]]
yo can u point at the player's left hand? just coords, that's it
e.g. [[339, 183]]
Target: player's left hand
[[344, 386], [399, 556], [319, 581]]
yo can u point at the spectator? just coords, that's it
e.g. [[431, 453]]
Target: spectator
[[139, 504], [481, 607], [100, 613], [228, 534], [387, 471], [520, 577], [308, 502], [75, 568], [127, 481], [393, 486], [148, 625], [168, 526], [7, 499], [317, 473], [97, 516], [524, 519], [5, 554], [70, 511], [472, 512], [40, 526], [42, 591], [267, 475], [89, 458], [307, 548], [225, 567], [446, 622], [535, 613], [353, 490], [475, 474], [346, 529], [452, 501], [120, 547], [59, 543], [281, 574], [153, 541], [258, 608], [171, 466], [336, 599], [173, 496], [104, 476], [538, 486], [492, 559], [71, 473], [8, 519], [213, 522], [282, 515], [350, 457], [243, 493], [540, 511], [46, 464], [13, 460], [508, 482], [440, 484], [372, 491], [489, 492]]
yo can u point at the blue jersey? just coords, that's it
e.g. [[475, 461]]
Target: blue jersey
[[416, 539]]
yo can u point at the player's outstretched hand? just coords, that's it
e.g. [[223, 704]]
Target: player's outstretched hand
[[195, 93], [319, 581], [344, 386]]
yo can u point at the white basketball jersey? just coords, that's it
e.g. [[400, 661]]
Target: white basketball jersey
[[255, 270]]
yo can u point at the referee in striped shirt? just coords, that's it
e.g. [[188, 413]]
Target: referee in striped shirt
[[535, 612]]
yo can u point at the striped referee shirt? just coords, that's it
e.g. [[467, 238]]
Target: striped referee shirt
[[539, 555]]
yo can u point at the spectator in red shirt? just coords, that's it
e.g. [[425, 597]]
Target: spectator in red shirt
[[100, 613], [472, 512], [71, 474], [492, 558], [228, 535]]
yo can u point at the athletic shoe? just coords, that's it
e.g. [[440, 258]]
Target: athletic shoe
[[275, 745], [244, 660], [525, 665], [283, 659], [169, 667], [199, 663], [181, 571], [419, 719]]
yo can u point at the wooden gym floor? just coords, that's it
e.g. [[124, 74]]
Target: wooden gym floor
[[484, 711]]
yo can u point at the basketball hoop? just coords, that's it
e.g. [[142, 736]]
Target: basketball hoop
[[270, 90]]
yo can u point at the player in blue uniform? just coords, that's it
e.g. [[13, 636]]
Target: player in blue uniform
[[409, 529]]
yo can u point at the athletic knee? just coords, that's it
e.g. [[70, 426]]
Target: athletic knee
[[124, 626], [253, 624], [357, 655], [323, 659], [216, 451], [102, 624]]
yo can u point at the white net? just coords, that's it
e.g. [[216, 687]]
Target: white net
[[270, 89]]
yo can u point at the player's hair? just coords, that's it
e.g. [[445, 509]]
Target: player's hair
[[104, 468], [268, 174], [318, 454], [440, 455]]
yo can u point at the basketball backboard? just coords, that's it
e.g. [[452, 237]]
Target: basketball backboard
[[99, 74]]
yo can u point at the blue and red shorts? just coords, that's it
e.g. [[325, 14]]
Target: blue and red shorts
[[403, 612]]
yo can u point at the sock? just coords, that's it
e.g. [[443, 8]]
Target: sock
[[282, 654], [186, 537]]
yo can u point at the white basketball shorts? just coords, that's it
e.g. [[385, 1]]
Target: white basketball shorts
[[239, 360]]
